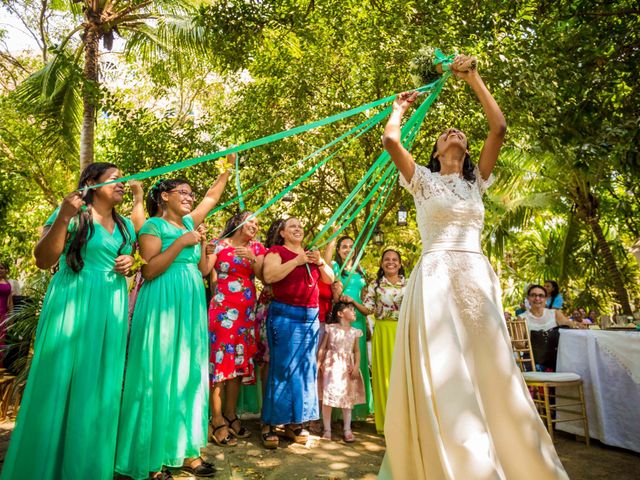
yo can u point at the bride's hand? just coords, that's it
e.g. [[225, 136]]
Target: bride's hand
[[404, 100], [464, 67]]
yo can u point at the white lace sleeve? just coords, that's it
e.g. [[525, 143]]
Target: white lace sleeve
[[481, 182], [420, 182]]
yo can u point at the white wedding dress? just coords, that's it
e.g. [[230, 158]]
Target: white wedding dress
[[458, 408]]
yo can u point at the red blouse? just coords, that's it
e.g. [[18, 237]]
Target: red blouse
[[300, 287]]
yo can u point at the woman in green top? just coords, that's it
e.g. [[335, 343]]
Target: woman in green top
[[166, 391], [67, 423], [349, 287]]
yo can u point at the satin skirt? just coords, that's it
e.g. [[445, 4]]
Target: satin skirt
[[458, 407]]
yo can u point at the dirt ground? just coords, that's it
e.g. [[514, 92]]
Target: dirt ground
[[334, 460]]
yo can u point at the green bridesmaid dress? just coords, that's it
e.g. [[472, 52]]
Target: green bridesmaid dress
[[166, 391], [67, 424], [353, 288]]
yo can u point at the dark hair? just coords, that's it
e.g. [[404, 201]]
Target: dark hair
[[337, 308], [277, 238], [234, 222], [535, 285], [380, 273], [154, 197], [467, 164], [273, 233], [4, 264], [555, 291], [338, 258], [85, 228]]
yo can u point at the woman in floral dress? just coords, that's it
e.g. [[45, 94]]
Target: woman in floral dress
[[237, 259], [383, 299]]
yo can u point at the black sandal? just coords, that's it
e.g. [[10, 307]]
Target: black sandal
[[203, 469], [227, 441], [241, 433], [268, 440]]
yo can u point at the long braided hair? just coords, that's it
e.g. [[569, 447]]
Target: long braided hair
[[84, 218]]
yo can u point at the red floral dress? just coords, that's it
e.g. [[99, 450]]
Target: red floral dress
[[232, 315]]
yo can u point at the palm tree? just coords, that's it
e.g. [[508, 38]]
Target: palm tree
[[532, 190], [68, 86]]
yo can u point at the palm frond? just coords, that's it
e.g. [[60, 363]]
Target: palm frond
[[53, 97]]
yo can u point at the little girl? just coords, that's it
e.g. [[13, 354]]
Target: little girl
[[338, 363]]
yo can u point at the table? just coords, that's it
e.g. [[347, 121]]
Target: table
[[609, 364]]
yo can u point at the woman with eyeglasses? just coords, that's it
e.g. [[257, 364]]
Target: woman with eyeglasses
[[458, 407], [166, 391], [543, 324]]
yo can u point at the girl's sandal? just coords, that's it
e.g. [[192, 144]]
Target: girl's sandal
[[297, 433], [239, 433], [348, 436], [227, 441], [269, 438], [202, 469], [326, 435]]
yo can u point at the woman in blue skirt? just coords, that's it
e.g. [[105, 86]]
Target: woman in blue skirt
[[291, 395]]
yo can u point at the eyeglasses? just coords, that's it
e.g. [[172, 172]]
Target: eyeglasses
[[537, 295], [184, 193]]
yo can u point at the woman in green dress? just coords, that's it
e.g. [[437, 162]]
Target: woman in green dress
[[349, 287], [67, 423], [383, 300], [165, 398]]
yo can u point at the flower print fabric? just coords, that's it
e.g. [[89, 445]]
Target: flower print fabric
[[232, 315]]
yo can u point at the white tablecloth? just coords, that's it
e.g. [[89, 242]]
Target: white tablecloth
[[609, 364]]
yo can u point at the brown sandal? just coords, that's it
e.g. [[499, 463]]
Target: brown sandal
[[269, 438], [296, 433]]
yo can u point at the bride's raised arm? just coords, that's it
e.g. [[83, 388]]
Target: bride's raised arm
[[391, 138], [497, 122]]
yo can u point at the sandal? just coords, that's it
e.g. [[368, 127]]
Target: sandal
[[241, 432], [326, 435], [348, 436], [269, 438], [297, 433], [203, 469], [227, 441], [163, 474]]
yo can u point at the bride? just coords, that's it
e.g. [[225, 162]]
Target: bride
[[458, 407]]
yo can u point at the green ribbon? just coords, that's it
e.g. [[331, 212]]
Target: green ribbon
[[357, 130], [238, 186], [443, 60], [408, 134], [257, 143]]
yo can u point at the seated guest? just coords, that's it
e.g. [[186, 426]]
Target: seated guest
[[543, 325], [554, 297]]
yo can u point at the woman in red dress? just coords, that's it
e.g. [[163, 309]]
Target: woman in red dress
[[237, 259]]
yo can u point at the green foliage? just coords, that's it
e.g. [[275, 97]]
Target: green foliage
[[564, 73]]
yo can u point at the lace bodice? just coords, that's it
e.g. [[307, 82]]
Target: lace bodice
[[450, 212]]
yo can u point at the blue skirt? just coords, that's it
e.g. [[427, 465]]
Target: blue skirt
[[291, 394]]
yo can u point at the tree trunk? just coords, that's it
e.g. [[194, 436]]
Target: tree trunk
[[612, 267], [89, 94]]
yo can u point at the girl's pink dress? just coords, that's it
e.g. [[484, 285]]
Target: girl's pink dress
[[339, 390]]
